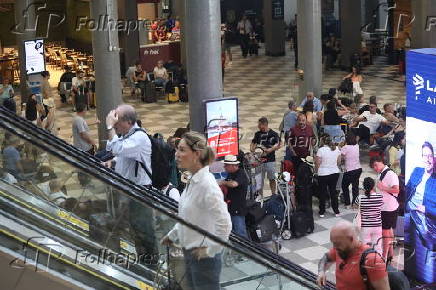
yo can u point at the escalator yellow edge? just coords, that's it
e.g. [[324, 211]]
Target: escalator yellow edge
[[41, 212], [141, 285]]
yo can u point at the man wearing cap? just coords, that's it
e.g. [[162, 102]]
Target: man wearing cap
[[236, 184]]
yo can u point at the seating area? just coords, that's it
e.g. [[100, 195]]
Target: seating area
[[59, 57], [9, 65]]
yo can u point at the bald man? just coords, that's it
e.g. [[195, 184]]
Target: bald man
[[346, 253], [129, 144]]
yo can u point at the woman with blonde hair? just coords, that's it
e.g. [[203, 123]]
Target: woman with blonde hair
[[201, 204]]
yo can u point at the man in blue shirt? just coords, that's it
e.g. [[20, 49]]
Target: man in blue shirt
[[317, 106], [12, 158], [6, 91], [289, 118]]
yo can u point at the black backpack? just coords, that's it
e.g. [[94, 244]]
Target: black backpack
[[160, 165], [397, 279]]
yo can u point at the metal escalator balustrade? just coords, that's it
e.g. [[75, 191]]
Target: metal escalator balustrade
[[102, 210]]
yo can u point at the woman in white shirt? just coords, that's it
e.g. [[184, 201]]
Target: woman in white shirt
[[201, 204], [327, 160]]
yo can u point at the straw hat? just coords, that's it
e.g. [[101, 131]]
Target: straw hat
[[231, 159], [308, 160]]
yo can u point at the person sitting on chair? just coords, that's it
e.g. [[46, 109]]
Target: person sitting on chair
[[161, 76]]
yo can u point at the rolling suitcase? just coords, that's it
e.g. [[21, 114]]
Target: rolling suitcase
[[150, 93], [183, 93], [255, 213], [301, 223], [263, 231]]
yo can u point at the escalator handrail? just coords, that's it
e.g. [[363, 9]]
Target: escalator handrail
[[150, 197]]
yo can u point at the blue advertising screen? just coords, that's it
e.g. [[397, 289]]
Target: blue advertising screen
[[420, 213]]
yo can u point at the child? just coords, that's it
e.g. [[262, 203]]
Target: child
[[253, 47], [369, 206]]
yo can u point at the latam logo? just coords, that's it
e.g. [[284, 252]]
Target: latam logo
[[421, 84]]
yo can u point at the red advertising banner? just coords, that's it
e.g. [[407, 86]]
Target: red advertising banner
[[222, 126]]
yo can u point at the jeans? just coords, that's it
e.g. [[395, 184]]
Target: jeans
[[327, 186], [351, 177], [238, 225], [160, 82], [204, 273]]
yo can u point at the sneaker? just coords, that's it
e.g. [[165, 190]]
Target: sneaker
[[337, 215], [321, 215]]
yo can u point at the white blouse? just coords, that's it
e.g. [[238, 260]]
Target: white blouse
[[202, 204]]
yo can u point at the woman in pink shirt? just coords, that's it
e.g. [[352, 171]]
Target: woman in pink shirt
[[353, 169]]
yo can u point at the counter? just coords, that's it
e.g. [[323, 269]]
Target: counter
[[150, 54]]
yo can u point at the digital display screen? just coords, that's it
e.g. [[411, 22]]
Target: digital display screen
[[222, 126], [35, 59], [420, 178]]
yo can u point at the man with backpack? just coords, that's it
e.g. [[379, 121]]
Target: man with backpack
[[132, 149], [388, 186], [347, 253]]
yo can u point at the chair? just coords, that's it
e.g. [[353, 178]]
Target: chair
[[129, 84], [150, 78]]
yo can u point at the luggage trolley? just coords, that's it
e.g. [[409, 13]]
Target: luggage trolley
[[253, 167], [286, 190]]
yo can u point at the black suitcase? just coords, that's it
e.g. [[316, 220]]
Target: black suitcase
[[255, 213], [263, 231], [150, 93], [183, 93], [301, 223]]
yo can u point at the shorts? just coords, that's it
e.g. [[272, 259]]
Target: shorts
[[270, 169], [389, 219]]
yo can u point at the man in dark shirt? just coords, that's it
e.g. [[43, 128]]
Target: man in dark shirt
[[66, 77], [269, 141], [237, 184], [300, 139]]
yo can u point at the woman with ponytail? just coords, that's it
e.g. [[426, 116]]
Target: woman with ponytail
[[201, 204], [370, 211]]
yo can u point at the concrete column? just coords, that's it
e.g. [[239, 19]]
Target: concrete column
[[274, 27], [309, 45], [131, 47], [25, 29], [180, 11], [423, 28], [371, 11], [106, 63], [350, 29], [203, 50]]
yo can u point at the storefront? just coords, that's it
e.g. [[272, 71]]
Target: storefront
[[161, 39]]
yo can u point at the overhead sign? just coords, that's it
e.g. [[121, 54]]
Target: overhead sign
[[278, 10], [34, 56]]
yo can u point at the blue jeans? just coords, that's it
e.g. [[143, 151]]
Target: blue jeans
[[202, 274], [238, 225]]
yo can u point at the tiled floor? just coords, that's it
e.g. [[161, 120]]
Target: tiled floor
[[263, 85]]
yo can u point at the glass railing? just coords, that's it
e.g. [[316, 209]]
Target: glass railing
[[107, 225]]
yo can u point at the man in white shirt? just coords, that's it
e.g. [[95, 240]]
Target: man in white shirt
[[130, 146], [388, 186], [161, 77], [369, 122], [244, 28]]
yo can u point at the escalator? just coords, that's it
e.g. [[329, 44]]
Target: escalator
[[66, 223]]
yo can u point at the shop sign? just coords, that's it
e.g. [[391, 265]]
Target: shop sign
[[152, 51], [278, 9]]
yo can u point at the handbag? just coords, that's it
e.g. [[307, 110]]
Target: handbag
[[357, 220]]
